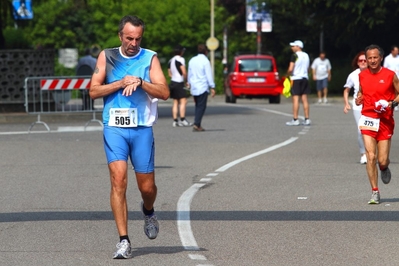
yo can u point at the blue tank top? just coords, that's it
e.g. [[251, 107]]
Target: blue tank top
[[117, 67]]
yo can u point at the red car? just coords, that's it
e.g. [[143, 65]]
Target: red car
[[253, 76]]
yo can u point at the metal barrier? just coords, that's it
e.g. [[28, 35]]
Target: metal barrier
[[48, 95]]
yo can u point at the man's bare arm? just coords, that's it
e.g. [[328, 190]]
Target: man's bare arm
[[158, 87], [359, 98], [396, 83], [184, 72], [290, 68]]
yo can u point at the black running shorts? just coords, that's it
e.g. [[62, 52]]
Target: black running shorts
[[300, 87], [177, 90]]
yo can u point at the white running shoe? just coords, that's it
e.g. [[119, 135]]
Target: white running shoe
[[177, 124], [363, 159], [124, 250], [307, 122], [325, 100], [293, 123], [185, 123]]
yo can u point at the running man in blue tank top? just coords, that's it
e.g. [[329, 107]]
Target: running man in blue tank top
[[130, 80]]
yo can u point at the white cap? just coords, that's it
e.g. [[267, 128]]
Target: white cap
[[297, 43]]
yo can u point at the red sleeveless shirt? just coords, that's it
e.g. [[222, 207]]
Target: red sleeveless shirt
[[376, 87]]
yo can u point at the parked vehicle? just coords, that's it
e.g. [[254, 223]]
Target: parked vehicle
[[253, 76]]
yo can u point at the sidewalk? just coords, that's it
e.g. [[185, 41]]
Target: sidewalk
[[76, 113]]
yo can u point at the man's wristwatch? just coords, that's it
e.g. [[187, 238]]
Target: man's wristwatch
[[141, 81], [394, 104]]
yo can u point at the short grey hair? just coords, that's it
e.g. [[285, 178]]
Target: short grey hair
[[374, 46]]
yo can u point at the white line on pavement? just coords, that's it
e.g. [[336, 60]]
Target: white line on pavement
[[272, 148], [58, 130], [183, 217], [183, 205], [197, 257]]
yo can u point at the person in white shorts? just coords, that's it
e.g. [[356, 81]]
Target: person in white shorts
[[359, 63]]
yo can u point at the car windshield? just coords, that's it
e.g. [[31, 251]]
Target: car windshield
[[255, 65]]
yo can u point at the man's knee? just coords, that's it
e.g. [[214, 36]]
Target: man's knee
[[118, 184], [146, 183], [371, 157], [148, 190], [383, 162]]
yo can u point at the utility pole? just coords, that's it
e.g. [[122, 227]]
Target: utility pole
[[212, 43], [259, 35], [259, 21]]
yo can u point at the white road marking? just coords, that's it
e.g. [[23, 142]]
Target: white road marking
[[183, 205], [58, 130], [183, 217], [212, 174], [271, 111], [197, 257], [20, 132], [272, 148], [79, 129]]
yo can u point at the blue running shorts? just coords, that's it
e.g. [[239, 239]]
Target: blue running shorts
[[136, 142], [321, 84]]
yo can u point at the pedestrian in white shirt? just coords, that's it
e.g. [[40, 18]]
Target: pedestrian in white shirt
[[392, 60], [298, 70], [359, 63], [200, 80], [321, 70]]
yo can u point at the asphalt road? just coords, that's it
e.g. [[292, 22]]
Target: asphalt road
[[248, 191]]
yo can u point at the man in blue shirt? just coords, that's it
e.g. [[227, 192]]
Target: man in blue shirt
[[130, 80], [201, 81]]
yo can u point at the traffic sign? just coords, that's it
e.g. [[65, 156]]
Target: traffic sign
[[212, 43]]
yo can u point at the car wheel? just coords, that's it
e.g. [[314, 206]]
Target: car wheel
[[274, 99], [230, 99], [227, 99], [233, 99]]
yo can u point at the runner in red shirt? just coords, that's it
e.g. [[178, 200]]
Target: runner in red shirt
[[379, 88]]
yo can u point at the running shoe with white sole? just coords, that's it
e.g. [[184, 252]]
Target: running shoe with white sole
[[293, 123], [185, 123], [151, 225], [386, 175], [177, 124], [124, 250], [375, 198], [307, 122], [363, 159]]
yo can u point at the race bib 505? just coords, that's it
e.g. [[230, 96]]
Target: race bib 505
[[123, 117]]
